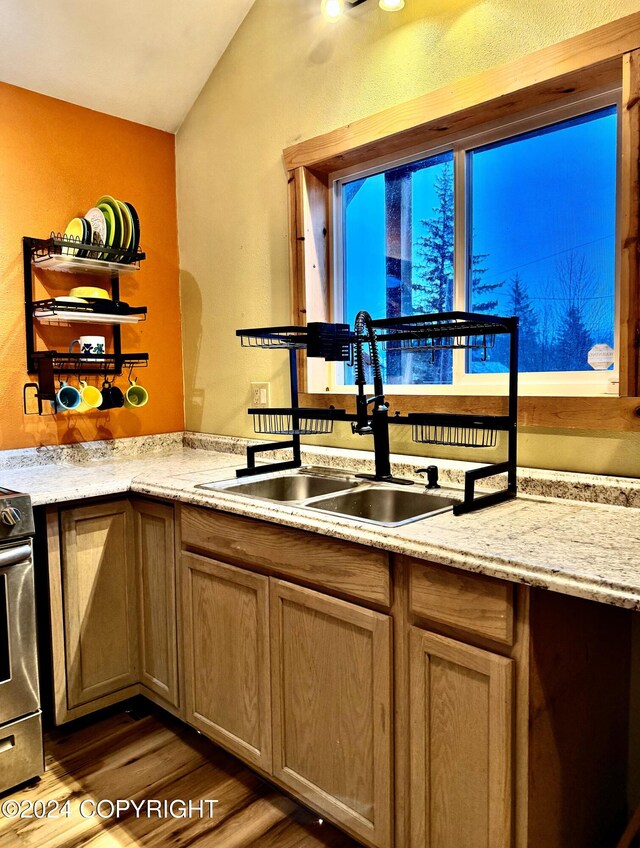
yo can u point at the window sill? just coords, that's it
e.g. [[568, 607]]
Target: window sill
[[491, 390], [559, 413]]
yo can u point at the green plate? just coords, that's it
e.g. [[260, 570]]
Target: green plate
[[127, 236], [118, 226], [109, 218]]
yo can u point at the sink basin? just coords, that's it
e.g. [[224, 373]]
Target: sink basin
[[339, 492], [386, 506], [300, 486]]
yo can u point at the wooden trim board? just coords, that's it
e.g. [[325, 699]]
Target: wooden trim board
[[561, 413]]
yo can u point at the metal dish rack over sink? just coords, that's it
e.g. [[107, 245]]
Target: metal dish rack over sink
[[426, 334]]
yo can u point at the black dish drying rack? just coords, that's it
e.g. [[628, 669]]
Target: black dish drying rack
[[66, 253], [99, 306], [428, 334], [71, 255]]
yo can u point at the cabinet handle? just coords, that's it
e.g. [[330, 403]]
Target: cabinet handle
[[7, 744]]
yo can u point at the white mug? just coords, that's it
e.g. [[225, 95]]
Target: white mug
[[93, 345]]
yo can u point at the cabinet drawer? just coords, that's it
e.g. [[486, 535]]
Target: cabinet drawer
[[471, 603], [321, 561], [21, 756]]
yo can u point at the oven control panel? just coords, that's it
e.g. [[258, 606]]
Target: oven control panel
[[16, 516]]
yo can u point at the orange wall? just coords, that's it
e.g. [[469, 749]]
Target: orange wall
[[56, 159]]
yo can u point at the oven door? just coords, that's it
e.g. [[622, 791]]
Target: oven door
[[18, 649]]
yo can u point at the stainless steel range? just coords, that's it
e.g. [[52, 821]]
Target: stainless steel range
[[21, 751]]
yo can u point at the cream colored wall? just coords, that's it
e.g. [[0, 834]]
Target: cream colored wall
[[286, 76]]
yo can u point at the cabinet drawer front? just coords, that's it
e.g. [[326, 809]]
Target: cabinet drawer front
[[330, 564], [471, 603]]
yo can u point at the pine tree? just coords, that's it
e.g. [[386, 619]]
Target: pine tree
[[574, 287], [435, 249], [520, 305], [480, 288], [434, 292], [574, 341]]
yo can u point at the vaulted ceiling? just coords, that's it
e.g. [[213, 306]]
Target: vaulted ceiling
[[145, 60]]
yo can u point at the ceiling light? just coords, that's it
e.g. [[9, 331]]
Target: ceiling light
[[332, 9]]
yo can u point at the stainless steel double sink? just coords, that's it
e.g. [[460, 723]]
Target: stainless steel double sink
[[341, 493]]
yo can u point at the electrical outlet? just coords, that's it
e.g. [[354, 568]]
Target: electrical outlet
[[259, 395]]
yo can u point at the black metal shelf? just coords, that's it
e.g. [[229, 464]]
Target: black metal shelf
[[441, 331], [301, 421], [459, 419], [457, 430], [69, 255], [277, 338], [95, 311], [89, 363], [431, 332], [73, 256]]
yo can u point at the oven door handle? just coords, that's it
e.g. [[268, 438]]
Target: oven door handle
[[15, 554]]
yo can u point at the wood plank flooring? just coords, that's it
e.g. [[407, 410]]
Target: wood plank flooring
[[156, 757]]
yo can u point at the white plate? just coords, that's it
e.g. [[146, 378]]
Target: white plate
[[98, 223], [70, 300]]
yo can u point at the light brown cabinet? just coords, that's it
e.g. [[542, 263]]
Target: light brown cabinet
[[113, 605], [225, 614], [99, 601], [469, 729], [332, 707], [461, 726], [156, 583]]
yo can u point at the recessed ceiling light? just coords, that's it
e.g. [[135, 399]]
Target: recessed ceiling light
[[332, 9], [391, 5]]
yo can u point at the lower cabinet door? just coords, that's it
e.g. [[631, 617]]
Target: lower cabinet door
[[332, 707], [99, 594], [226, 635], [461, 750]]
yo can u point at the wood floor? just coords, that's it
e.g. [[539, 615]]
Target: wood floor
[[155, 757]]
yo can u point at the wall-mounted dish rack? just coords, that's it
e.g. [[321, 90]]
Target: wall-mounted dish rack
[[72, 256], [429, 334]]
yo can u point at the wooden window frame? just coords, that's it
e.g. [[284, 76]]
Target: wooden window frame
[[601, 59]]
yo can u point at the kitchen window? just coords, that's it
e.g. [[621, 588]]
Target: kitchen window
[[520, 220]]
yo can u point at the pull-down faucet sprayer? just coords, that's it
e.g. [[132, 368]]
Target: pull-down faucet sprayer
[[378, 423]]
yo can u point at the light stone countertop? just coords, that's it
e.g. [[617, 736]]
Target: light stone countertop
[[590, 550]]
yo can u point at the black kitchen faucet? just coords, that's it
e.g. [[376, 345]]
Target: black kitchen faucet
[[376, 424]]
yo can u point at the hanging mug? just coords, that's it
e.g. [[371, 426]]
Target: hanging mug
[[67, 398], [112, 396], [92, 345], [135, 396], [90, 397]]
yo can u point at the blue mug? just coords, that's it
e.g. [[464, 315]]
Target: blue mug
[[67, 398]]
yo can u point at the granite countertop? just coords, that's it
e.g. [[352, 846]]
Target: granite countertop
[[574, 547]]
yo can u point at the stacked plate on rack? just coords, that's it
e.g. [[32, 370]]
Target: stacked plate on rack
[[112, 223]]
